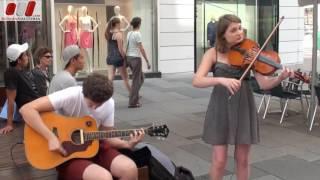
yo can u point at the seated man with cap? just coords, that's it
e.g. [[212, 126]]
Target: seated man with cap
[[74, 61], [19, 82]]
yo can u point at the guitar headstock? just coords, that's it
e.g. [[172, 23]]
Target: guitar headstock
[[158, 130]]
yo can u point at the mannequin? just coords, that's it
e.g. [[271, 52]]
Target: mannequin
[[86, 34], [70, 31], [123, 19], [211, 32]]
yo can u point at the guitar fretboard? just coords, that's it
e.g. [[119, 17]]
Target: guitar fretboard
[[93, 135]]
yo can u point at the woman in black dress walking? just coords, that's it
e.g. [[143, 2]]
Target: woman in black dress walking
[[116, 55], [232, 120]]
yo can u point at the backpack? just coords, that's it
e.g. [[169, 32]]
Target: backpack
[[160, 166], [183, 173]]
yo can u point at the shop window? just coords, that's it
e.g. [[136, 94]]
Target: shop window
[[69, 27]]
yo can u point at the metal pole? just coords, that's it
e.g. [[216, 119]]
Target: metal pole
[[314, 57], [53, 37]]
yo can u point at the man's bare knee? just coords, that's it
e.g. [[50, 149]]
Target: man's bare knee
[[94, 171], [124, 168]]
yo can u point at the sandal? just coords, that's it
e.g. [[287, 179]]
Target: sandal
[[135, 105]]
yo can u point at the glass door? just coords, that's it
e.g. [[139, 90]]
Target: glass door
[[210, 10], [268, 18]]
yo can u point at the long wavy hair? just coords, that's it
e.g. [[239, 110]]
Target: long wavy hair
[[222, 26], [113, 22]]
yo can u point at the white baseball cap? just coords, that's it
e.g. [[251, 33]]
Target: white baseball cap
[[15, 50], [69, 52]]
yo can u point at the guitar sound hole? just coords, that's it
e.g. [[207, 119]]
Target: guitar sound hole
[[75, 137]]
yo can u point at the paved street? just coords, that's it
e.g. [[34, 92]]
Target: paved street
[[286, 152]]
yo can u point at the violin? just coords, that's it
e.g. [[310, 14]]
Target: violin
[[264, 62], [267, 61]]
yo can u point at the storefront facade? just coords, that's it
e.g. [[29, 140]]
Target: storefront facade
[[61, 26], [174, 32]]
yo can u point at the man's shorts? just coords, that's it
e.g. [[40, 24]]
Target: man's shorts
[[74, 168]]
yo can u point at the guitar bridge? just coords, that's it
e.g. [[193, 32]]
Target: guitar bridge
[[81, 137]]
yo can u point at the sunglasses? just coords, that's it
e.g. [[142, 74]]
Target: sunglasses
[[48, 57]]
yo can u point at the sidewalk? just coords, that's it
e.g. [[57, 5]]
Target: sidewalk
[[286, 152]]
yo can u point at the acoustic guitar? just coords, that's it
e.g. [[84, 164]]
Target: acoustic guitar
[[78, 136]]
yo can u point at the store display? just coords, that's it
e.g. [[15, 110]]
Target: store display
[[87, 26], [68, 25], [123, 19], [83, 23]]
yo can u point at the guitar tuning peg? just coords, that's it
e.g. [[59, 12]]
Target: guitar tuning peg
[[159, 138], [163, 138]]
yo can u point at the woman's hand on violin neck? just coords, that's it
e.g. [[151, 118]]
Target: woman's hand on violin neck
[[286, 72], [233, 85]]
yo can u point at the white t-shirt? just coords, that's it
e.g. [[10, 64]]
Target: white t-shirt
[[71, 102], [133, 38]]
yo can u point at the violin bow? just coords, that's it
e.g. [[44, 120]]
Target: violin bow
[[262, 47]]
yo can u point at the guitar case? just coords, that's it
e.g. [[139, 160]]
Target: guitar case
[[159, 165]]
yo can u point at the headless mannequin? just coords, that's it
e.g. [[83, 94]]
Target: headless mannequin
[[123, 19], [211, 32], [86, 34], [68, 26]]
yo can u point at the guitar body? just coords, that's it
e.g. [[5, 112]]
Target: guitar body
[[36, 147]]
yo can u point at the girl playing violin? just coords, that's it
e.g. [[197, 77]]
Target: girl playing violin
[[232, 120]]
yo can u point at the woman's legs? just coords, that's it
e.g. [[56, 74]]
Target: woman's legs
[[124, 75], [241, 155], [219, 160], [111, 72]]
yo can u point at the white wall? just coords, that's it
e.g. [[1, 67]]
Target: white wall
[[291, 32], [176, 35]]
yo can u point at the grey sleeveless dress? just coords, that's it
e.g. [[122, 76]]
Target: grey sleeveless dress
[[231, 121]]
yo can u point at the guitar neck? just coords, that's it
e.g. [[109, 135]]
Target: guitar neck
[[97, 135]]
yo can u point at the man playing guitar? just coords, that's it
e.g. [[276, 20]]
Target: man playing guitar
[[94, 98]]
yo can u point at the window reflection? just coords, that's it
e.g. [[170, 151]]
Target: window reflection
[[206, 10]]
